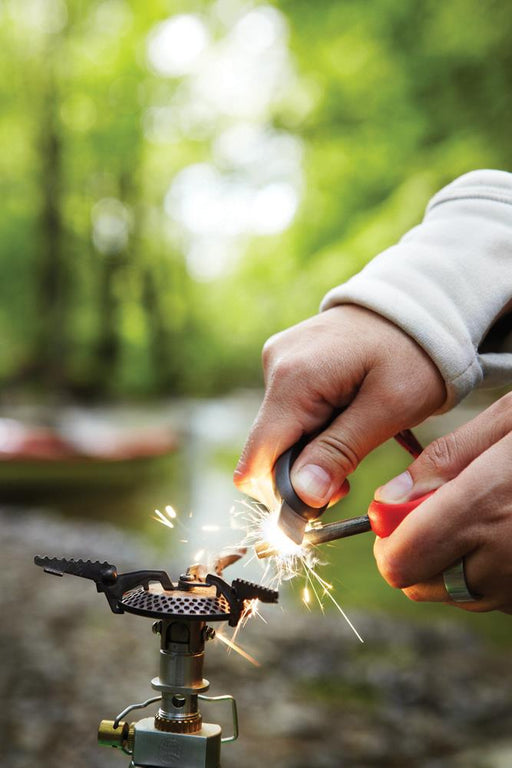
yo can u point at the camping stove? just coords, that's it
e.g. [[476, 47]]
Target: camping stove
[[176, 737]]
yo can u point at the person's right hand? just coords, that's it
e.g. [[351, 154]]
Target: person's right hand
[[349, 375], [469, 516]]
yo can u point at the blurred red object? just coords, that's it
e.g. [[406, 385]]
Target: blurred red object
[[22, 442]]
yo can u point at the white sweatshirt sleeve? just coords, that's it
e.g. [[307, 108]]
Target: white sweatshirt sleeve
[[447, 280]]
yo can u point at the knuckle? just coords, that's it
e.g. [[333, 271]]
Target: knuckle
[[239, 478], [269, 350], [506, 401], [277, 346], [415, 593], [397, 579], [391, 570], [337, 452], [440, 455], [503, 409], [281, 369]]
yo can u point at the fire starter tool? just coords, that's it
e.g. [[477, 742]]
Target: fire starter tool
[[295, 514]]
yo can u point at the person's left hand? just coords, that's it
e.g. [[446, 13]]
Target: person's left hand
[[469, 515]]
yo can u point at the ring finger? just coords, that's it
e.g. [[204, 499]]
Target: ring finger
[[434, 590]]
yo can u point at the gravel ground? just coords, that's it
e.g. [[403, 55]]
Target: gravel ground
[[411, 697]]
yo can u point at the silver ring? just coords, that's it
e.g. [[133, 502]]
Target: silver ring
[[456, 585]]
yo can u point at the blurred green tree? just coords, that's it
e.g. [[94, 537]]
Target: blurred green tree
[[150, 238]]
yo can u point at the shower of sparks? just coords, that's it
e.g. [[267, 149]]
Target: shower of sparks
[[234, 647], [288, 559], [170, 519]]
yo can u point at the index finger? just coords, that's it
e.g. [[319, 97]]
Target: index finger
[[280, 423]]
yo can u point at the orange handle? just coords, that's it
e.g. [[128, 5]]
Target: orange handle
[[384, 518]]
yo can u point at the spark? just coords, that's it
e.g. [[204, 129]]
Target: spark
[[161, 518], [234, 647], [288, 559], [327, 592], [251, 610], [169, 517]]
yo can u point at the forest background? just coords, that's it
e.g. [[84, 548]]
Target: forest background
[[180, 180]]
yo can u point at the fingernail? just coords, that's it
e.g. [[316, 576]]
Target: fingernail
[[312, 482], [398, 489]]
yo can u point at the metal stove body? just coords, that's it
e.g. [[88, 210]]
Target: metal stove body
[[176, 737]]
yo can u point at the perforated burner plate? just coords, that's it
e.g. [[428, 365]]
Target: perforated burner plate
[[197, 604]]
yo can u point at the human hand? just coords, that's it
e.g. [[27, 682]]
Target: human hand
[[346, 359], [469, 516]]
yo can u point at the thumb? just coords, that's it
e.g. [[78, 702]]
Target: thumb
[[321, 469], [446, 457]]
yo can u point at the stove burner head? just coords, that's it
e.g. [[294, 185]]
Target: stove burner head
[[152, 593], [177, 604]]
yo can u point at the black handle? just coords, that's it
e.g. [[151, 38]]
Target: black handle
[[283, 484]]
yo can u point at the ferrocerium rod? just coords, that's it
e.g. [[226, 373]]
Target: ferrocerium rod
[[321, 535], [338, 530]]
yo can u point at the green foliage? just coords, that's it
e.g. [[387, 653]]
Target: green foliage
[[392, 100]]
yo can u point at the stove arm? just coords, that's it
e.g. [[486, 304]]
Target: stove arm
[[105, 576]]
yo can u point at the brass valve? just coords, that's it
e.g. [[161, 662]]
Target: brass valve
[[190, 724], [120, 737]]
